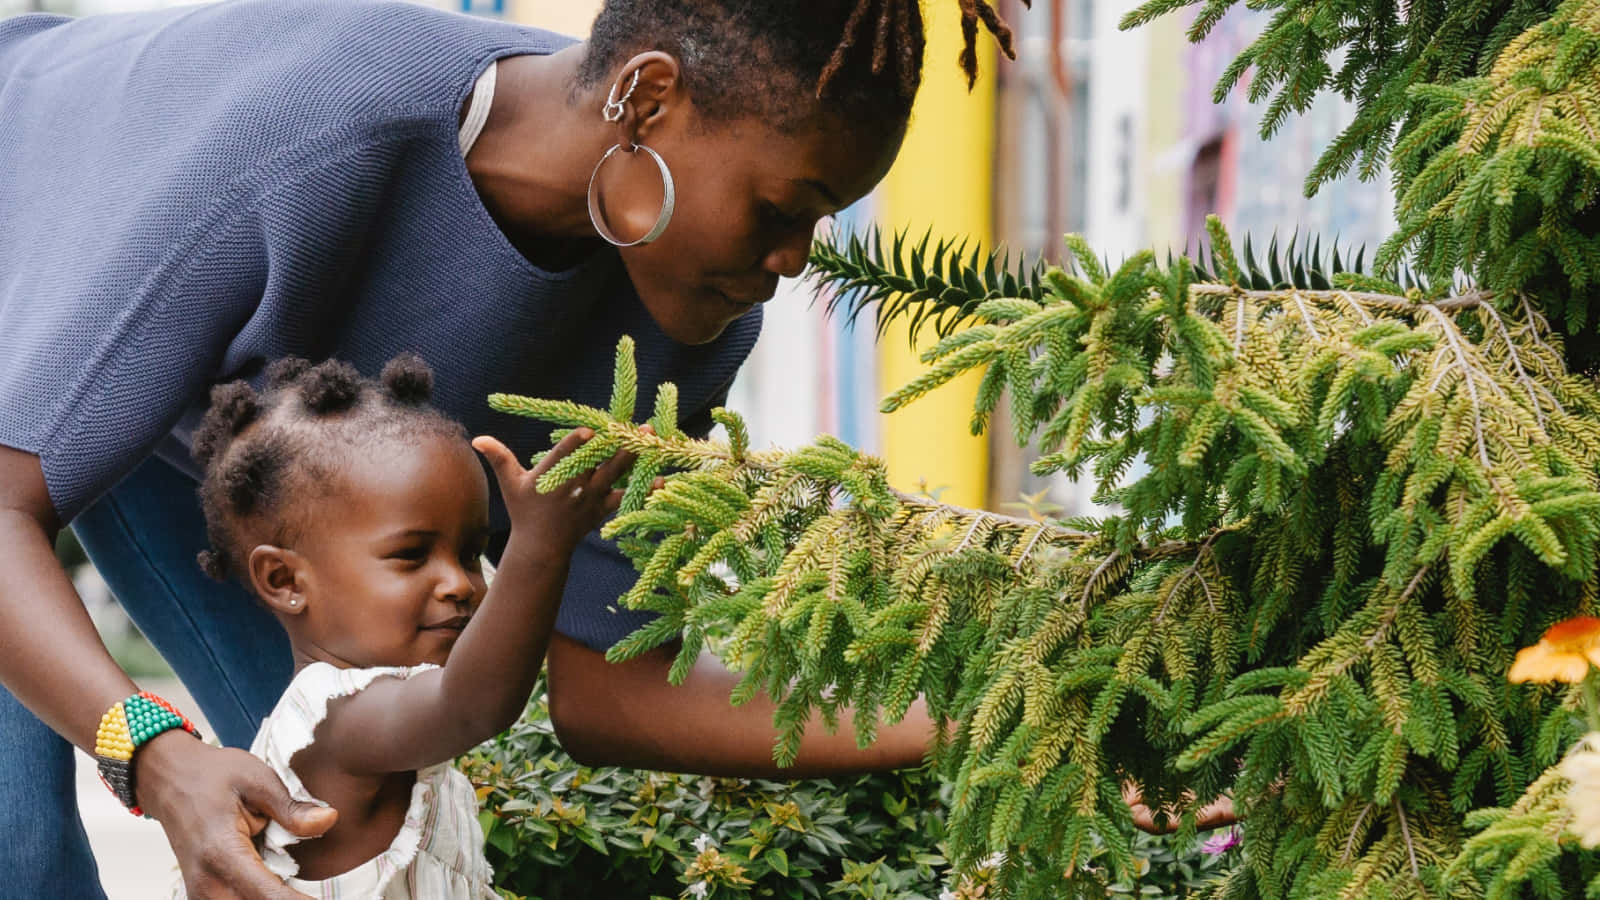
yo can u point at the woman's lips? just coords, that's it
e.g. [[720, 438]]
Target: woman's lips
[[457, 624], [737, 304]]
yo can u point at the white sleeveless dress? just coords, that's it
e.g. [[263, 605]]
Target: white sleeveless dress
[[438, 854]]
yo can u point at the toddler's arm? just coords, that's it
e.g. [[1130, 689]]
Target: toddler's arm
[[397, 725]]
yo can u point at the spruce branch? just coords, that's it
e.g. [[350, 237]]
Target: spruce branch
[[1352, 502], [941, 285]]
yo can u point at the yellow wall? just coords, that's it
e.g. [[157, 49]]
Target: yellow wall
[[565, 16], [942, 179]]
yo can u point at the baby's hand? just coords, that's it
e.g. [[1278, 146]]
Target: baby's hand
[[561, 518]]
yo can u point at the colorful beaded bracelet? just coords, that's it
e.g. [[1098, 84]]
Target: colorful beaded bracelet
[[124, 728]]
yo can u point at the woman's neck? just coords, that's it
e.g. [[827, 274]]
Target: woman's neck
[[532, 163]]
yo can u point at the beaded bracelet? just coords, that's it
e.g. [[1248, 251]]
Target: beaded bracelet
[[124, 728]]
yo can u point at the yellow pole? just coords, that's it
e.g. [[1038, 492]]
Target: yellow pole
[[942, 179]]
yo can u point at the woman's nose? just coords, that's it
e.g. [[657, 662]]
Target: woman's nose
[[788, 259]]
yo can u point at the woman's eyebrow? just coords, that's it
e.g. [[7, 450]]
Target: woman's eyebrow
[[826, 192]]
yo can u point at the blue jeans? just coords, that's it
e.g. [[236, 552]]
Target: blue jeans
[[229, 651]]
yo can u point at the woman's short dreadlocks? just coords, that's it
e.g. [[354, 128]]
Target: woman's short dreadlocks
[[862, 57], [264, 452]]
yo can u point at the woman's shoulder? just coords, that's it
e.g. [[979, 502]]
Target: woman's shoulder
[[369, 48], [250, 76], [157, 117], [303, 65]]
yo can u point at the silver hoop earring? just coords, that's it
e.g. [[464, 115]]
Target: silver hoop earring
[[668, 198]]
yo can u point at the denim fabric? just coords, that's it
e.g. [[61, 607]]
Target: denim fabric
[[228, 650], [44, 850]]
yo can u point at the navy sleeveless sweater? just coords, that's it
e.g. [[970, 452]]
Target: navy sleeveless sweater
[[189, 193]]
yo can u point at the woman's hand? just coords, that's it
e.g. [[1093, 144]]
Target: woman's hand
[[212, 802], [209, 801], [557, 520], [1218, 813]]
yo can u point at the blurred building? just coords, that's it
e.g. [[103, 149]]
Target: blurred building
[[1109, 133], [1115, 135], [1094, 130]]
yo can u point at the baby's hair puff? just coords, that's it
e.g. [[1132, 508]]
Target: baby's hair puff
[[263, 451]]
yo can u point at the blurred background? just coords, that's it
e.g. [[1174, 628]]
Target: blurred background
[[1114, 135], [1111, 134], [1090, 130]]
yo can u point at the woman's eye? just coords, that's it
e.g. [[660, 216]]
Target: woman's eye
[[777, 218]]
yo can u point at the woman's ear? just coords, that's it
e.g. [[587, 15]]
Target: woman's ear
[[658, 94], [279, 577]]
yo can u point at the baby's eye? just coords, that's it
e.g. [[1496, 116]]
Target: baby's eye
[[410, 554]]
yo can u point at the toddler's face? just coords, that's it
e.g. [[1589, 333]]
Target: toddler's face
[[393, 556]]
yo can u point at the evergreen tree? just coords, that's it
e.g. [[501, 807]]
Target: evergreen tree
[[1359, 494]]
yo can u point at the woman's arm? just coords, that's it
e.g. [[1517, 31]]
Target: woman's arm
[[209, 801], [398, 725], [628, 714]]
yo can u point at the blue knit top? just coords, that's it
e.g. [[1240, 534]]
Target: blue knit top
[[189, 193]]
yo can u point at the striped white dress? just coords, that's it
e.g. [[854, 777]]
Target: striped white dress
[[438, 854]]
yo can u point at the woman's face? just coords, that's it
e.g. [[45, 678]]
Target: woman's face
[[748, 200]]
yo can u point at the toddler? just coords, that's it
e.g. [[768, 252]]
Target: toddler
[[359, 514]]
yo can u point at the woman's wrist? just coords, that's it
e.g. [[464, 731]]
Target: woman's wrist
[[125, 730], [160, 769], [910, 741]]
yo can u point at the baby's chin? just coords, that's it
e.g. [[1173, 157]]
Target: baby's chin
[[436, 655], [440, 653]]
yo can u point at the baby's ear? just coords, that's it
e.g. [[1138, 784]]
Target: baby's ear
[[279, 579]]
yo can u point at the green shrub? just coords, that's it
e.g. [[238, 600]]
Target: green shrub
[[558, 830]]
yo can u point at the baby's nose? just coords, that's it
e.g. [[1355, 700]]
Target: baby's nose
[[456, 587]]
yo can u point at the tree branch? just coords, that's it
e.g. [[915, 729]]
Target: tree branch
[[1469, 300]]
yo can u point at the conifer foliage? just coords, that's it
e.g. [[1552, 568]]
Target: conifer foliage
[[1487, 112], [1344, 510], [1344, 500]]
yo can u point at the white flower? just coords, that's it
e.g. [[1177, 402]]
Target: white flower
[[701, 843], [698, 889], [993, 861], [1582, 768], [948, 894]]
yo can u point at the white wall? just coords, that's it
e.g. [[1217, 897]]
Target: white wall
[[1118, 69]]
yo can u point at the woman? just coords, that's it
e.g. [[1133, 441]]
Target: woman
[[190, 193]]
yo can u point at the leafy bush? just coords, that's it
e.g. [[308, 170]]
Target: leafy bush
[[559, 830]]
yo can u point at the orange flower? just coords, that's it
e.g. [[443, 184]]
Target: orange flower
[[1564, 653]]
